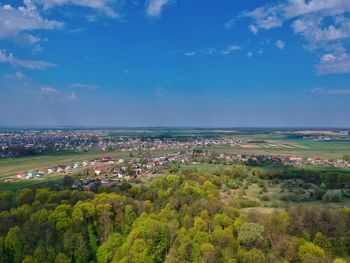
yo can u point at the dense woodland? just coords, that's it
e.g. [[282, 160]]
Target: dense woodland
[[175, 218]]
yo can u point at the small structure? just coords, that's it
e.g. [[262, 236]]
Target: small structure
[[100, 170], [21, 175]]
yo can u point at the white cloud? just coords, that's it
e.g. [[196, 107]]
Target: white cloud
[[333, 64], [324, 24], [16, 22], [280, 44], [190, 54], [270, 16], [208, 51], [203, 51], [72, 96], [249, 54], [28, 64], [104, 6], [155, 7], [230, 49], [328, 57], [48, 90], [17, 75], [331, 91], [83, 86], [253, 29], [229, 24]]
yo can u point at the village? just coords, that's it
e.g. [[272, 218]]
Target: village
[[105, 171], [17, 143]]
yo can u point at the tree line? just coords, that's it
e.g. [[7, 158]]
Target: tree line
[[179, 217]]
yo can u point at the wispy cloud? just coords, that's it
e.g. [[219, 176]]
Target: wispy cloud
[[280, 44], [230, 24], [28, 64], [17, 76], [103, 6], [333, 64], [154, 8], [16, 22], [325, 26], [331, 91], [190, 54], [72, 96], [230, 49], [202, 51], [48, 90], [250, 54], [253, 29], [83, 86]]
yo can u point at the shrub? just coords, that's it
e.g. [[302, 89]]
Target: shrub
[[333, 196], [265, 198], [250, 235]]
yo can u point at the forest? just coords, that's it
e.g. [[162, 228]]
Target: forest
[[178, 217]]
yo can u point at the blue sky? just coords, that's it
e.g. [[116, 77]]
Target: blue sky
[[175, 63]]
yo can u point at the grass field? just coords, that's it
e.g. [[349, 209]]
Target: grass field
[[303, 147], [12, 166]]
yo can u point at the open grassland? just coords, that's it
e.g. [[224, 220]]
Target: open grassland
[[303, 147], [10, 167]]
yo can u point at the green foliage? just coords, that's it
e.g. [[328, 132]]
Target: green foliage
[[310, 253], [106, 251], [253, 256], [251, 235], [14, 243], [175, 218], [333, 196]]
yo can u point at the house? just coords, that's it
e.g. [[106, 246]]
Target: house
[[106, 159], [51, 170], [31, 173], [21, 175], [61, 168], [40, 173], [296, 159], [29, 176], [121, 174], [100, 170]]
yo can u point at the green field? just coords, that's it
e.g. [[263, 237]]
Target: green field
[[304, 147], [13, 165]]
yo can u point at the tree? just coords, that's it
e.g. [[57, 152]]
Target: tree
[[322, 241], [29, 259], [310, 253], [250, 235], [14, 243], [7, 200], [25, 196], [154, 250], [104, 221], [106, 251], [62, 258], [253, 256], [208, 253], [42, 195]]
